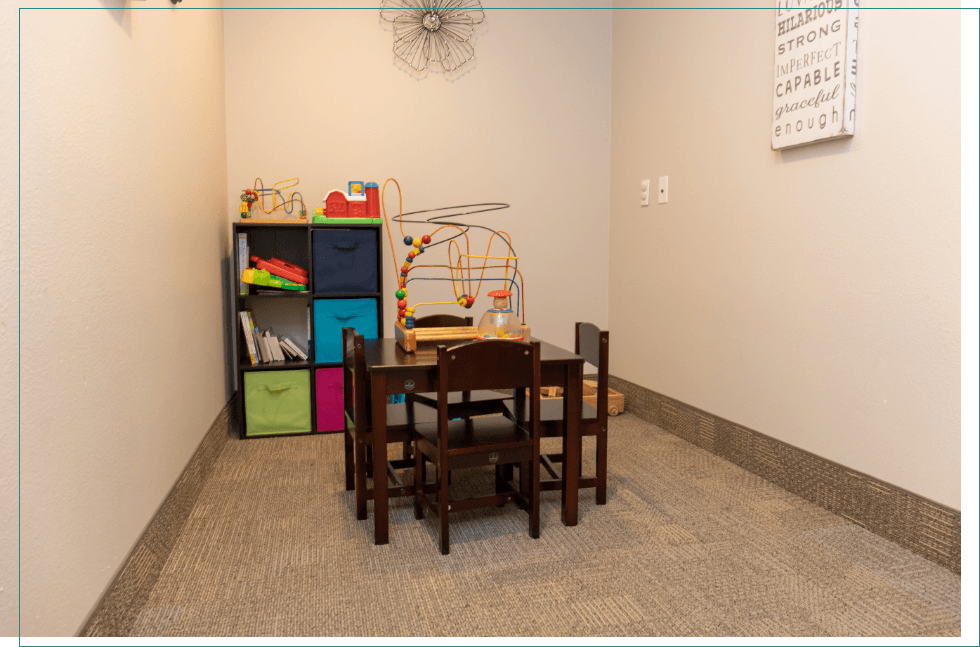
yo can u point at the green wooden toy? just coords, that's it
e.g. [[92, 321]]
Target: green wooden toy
[[264, 278]]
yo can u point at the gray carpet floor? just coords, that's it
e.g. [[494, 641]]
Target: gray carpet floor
[[688, 545]]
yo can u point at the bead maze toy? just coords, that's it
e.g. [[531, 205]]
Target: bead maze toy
[[258, 194], [464, 269]]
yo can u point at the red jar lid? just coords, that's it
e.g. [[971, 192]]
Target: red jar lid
[[499, 293]]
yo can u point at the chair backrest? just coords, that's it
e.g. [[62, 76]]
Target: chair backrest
[[498, 364], [442, 321], [355, 374], [593, 345]]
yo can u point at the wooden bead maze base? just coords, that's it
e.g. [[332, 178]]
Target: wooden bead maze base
[[412, 339]]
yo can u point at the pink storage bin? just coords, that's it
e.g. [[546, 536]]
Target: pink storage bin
[[330, 399]]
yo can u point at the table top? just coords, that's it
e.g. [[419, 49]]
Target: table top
[[386, 355]]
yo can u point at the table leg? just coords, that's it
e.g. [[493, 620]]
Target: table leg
[[572, 446], [522, 413], [379, 433]]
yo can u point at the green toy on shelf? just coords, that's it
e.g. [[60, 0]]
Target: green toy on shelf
[[263, 277]]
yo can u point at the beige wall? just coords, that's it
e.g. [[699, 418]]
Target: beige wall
[[811, 294], [525, 123], [124, 226], [8, 330]]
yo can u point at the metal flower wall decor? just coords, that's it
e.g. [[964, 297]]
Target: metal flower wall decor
[[433, 30]]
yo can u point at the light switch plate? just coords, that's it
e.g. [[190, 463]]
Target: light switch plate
[[645, 193], [662, 195]]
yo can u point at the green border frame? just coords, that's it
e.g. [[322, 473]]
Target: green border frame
[[970, 383]]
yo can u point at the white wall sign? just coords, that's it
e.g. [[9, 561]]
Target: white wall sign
[[816, 66]]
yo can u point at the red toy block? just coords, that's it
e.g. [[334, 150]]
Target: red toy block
[[288, 266], [357, 209], [336, 205], [282, 269], [373, 200]]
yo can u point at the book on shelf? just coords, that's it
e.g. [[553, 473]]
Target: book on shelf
[[286, 350], [242, 263], [255, 335], [260, 357], [295, 348], [267, 341], [273, 343], [249, 342], [266, 351]]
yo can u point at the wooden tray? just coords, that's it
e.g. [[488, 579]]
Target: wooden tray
[[274, 221], [590, 394]]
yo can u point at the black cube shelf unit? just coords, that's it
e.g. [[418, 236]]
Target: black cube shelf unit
[[344, 266]]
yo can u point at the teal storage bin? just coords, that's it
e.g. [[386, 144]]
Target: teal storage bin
[[277, 402], [331, 316]]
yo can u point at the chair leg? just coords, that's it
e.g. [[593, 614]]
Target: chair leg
[[443, 507], [499, 482], [534, 521], [534, 467], [600, 467], [419, 481], [348, 462], [360, 480]]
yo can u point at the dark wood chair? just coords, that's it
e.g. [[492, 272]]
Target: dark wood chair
[[466, 403], [442, 321], [358, 436], [454, 444], [592, 344]]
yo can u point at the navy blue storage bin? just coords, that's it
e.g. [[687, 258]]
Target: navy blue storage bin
[[345, 260], [331, 316]]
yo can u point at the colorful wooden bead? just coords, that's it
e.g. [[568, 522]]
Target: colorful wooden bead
[[427, 239], [402, 303], [470, 301], [400, 294], [409, 311], [408, 261], [411, 254], [409, 322], [461, 300], [417, 242], [408, 240], [401, 313], [419, 250]]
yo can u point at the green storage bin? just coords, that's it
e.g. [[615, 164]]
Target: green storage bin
[[277, 402]]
